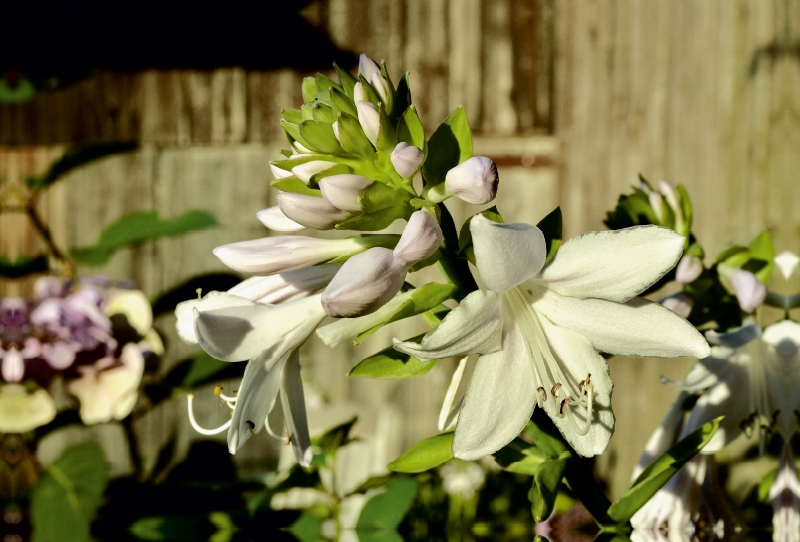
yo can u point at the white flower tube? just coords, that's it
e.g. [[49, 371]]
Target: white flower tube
[[689, 268], [367, 281], [750, 291], [474, 181], [370, 120], [342, 191], [274, 219], [280, 254], [305, 171], [406, 159], [310, 211]]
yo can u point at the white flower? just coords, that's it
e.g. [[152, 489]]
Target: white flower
[[21, 411], [310, 211], [474, 181], [538, 330], [750, 291], [370, 279], [689, 268], [406, 159], [787, 262], [342, 191], [370, 120], [305, 171], [274, 219], [370, 70]]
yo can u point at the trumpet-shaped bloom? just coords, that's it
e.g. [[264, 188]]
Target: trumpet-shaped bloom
[[538, 330]]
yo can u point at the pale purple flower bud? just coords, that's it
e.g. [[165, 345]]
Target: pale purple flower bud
[[342, 191], [750, 291], [368, 67], [304, 172], [657, 204], [279, 173], [280, 254], [13, 366], [310, 211], [274, 219], [474, 181], [364, 284], [786, 262], [336, 133], [406, 159], [420, 239], [680, 304], [370, 120], [689, 268], [671, 195], [358, 93]]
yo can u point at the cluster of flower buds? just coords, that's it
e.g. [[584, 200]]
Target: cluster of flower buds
[[93, 336]]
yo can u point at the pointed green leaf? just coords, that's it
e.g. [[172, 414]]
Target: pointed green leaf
[[76, 156], [386, 510], [762, 248], [660, 471], [342, 103], [551, 228], [392, 364], [325, 83], [321, 136], [295, 185], [293, 116], [543, 493], [353, 138], [306, 113], [410, 129], [403, 94], [309, 89], [324, 113], [387, 136], [347, 80], [425, 454], [449, 145]]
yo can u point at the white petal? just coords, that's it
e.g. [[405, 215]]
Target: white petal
[[274, 219], [343, 191], [255, 399], [285, 286], [370, 120], [294, 410], [122, 382], [679, 303], [240, 333], [279, 173], [474, 327], [305, 171], [185, 311], [615, 265], [636, 328], [310, 211], [406, 159], [420, 239], [368, 67], [499, 402], [506, 254], [577, 359], [474, 181]]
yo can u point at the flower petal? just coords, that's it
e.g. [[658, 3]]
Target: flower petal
[[506, 254], [614, 265], [256, 397], [499, 402], [285, 286], [185, 311], [636, 328], [240, 333], [294, 410], [577, 359], [474, 327]]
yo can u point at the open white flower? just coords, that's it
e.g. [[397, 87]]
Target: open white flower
[[538, 330]]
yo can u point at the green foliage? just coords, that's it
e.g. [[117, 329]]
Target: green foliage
[[68, 493], [327, 444], [449, 145], [411, 130], [296, 186], [426, 454], [546, 481], [382, 204], [354, 140], [660, 471], [138, 227], [320, 135], [307, 528], [551, 228], [76, 156], [23, 266], [392, 364], [386, 510]]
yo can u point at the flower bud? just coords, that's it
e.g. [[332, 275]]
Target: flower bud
[[370, 120], [336, 133], [786, 262], [680, 304], [671, 195], [657, 204], [750, 291], [406, 159], [310, 211], [689, 268], [279, 173], [420, 239], [342, 191], [368, 67], [13, 366], [274, 219], [474, 181], [364, 284], [304, 172], [358, 93]]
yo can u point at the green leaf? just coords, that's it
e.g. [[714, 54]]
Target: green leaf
[[450, 145], [347, 80], [76, 156], [382, 204], [68, 493], [392, 364], [306, 113], [660, 471], [293, 116], [686, 207], [307, 528], [386, 510], [309, 89], [387, 134], [353, 138], [335, 438], [551, 228], [762, 249], [546, 437], [410, 129], [137, 228], [425, 454], [23, 266], [296, 186], [320, 134], [325, 83], [324, 113], [343, 104], [420, 300], [403, 94], [543, 493]]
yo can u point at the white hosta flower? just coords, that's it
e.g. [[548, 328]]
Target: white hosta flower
[[370, 279], [371, 71], [13, 366], [784, 495], [342, 191], [689, 268], [474, 181], [538, 330], [281, 254], [750, 291], [679, 303], [274, 219], [305, 171], [787, 262], [22, 411], [370, 120], [406, 159], [311, 211]]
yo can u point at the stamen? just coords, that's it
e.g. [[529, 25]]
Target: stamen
[[288, 438], [554, 390], [564, 403], [581, 431], [201, 430], [199, 293], [270, 432], [543, 392]]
